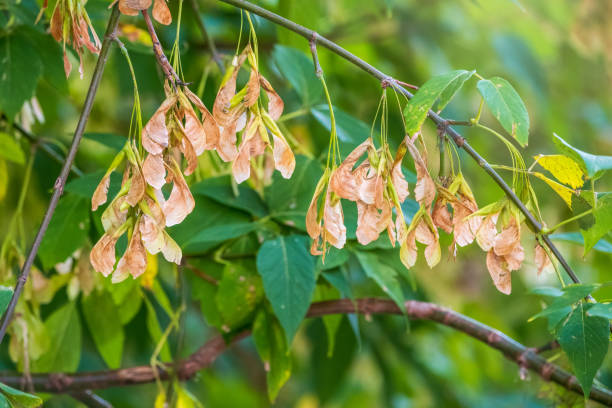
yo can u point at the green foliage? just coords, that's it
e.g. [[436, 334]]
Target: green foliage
[[67, 231], [297, 68], [6, 293], [351, 131], [602, 223], [104, 322], [591, 164], [507, 107], [384, 276], [19, 399], [20, 70], [10, 149], [239, 291], [584, 339], [442, 87], [288, 273], [63, 328]]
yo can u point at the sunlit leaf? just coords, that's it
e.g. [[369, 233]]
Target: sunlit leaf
[[104, 323], [10, 149], [564, 168], [564, 192], [20, 399], [63, 329], [507, 107], [591, 164]]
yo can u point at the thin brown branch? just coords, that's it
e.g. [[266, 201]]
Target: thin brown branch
[[90, 399], [307, 33], [201, 274], [60, 182], [162, 60], [524, 357], [209, 40]]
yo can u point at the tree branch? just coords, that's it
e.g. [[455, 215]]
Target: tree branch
[[524, 357], [209, 40], [90, 399], [307, 33], [60, 182]]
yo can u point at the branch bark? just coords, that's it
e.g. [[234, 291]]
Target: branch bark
[[307, 33], [524, 357], [60, 182]]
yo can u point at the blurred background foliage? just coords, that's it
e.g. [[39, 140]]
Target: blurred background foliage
[[556, 53]]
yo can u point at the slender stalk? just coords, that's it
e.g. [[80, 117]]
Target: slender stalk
[[209, 40], [527, 358], [162, 60], [90, 399], [307, 33], [58, 188], [564, 222], [46, 148]]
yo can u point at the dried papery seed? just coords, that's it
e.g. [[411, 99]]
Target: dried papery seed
[[211, 128], [314, 247], [171, 250], [127, 7], [333, 222], [371, 222], [465, 225], [399, 182], [100, 194], [433, 254], [313, 226], [284, 160], [515, 258], [408, 250], [115, 214], [161, 12], [137, 186], [67, 65], [181, 202], [57, 23], [221, 107], [154, 170], [425, 189], [102, 255], [344, 182], [251, 147], [366, 178], [541, 259], [507, 239], [134, 260], [194, 131], [275, 103], [441, 216], [152, 234], [253, 90], [190, 155], [155, 132], [499, 272], [486, 234]]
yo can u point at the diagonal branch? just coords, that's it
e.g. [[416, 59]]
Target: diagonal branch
[[58, 188], [307, 33], [524, 357]]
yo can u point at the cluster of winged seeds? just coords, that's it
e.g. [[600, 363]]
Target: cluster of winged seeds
[[378, 187], [174, 135]]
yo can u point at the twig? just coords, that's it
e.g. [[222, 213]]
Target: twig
[[45, 147], [209, 40], [307, 33], [206, 355], [162, 60], [58, 188], [315, 56], [90, 399], [202, 274]]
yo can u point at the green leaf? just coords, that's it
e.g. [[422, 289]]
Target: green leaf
[[384, 276], [20, 399], [20, 69], [4, 179], [507, 107], [63, 329], [50, 52], [210, 237], [10, 149], [333, 258], [574, 237], [584, 339], [602, 225], [298, 69], [442, 87], [331, 322], [350, 130], [67, 231], [220, 190], [155, 330], [104, 322], [602, 310], [239, 292], [288, 200], [205, 291], [591, 164], [288, 272], [115, 142], [4, 402], [85, 185], [6, 293], [273, 350]]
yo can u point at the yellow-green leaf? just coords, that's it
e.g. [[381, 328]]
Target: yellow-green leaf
[[564, 192], [564, 168]]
